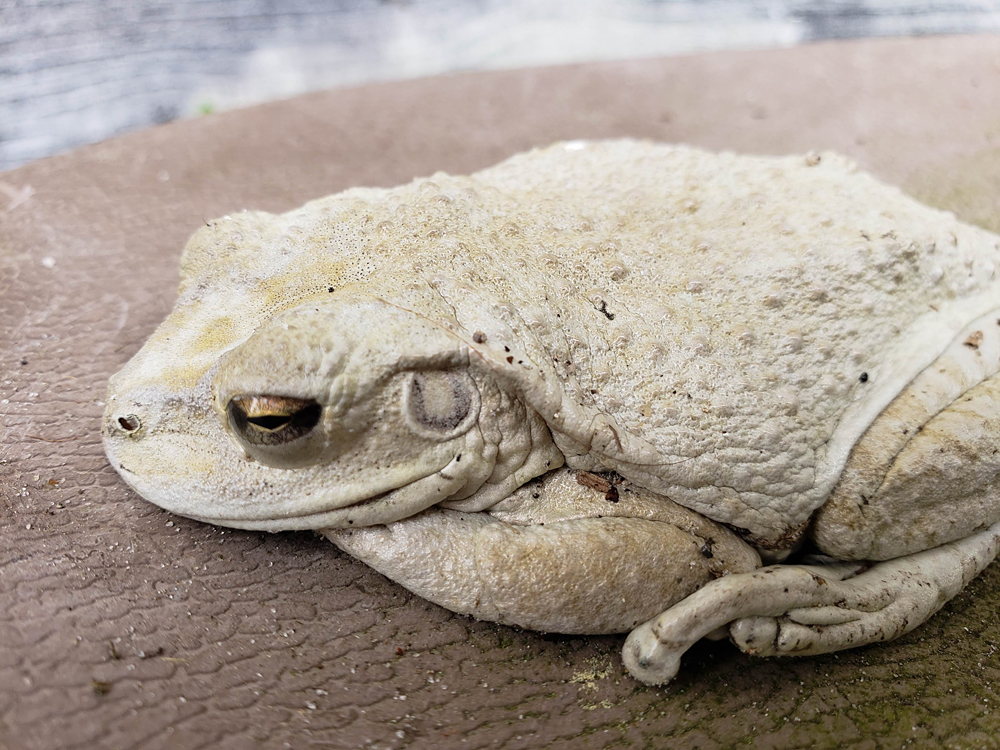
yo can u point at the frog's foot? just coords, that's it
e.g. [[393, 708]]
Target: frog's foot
[[810, 609]]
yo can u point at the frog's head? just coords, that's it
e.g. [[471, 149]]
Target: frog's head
[[347, 410]]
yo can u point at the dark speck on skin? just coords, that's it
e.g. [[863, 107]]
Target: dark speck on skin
[[863, 378]]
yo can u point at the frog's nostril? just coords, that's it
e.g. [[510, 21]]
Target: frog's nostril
[[129, 423]]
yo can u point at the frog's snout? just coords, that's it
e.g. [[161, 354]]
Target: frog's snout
[[125, 418], [127, 421], [135, 413]]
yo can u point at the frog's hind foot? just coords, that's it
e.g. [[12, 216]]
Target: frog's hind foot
[[811, 609]]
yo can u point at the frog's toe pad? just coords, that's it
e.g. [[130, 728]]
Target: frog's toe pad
[[649, 660]]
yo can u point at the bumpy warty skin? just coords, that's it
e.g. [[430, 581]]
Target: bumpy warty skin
[[719, 329]]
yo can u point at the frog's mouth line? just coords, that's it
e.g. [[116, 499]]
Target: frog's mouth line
[[383, 508]]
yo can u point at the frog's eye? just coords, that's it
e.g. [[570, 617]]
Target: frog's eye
[[272, 420], [441, 403]]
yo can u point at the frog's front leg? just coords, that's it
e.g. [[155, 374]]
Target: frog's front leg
[[557, 556], [811, 609]]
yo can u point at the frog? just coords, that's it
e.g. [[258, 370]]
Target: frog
[[609, 386]]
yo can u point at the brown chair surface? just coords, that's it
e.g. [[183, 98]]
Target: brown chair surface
[[123, 627]]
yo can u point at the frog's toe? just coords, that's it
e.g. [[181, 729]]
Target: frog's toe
[[830, 628], [652, 651], [882, 603], [650, 660], [811, 609]]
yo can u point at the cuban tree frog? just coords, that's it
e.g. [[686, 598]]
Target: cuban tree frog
[[593, 389]]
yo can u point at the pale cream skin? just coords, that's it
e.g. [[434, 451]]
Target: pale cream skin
[[761, 349]]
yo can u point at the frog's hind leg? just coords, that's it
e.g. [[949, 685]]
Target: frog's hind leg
[[920, 491], [927, 471], [811, 609]]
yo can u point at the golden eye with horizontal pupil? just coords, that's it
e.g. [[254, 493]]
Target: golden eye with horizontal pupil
[[440, 402], [272, 420]]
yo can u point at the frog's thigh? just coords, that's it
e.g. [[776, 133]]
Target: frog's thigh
[[556, 556], [802, 610], [920, 491], [927, 471]]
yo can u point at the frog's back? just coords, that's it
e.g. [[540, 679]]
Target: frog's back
[[745, 318]]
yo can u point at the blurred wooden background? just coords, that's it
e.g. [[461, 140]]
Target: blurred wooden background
[[80, 71]]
